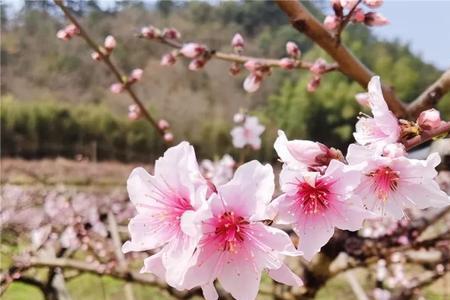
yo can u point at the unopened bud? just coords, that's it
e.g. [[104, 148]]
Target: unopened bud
[[110, 43], [197, 64], [238, 118], [375, 19], [313, 84], [134, 112], [235, 68], [253, 65], [287, 63], [358, 15], [168, 60], [319, 66], [252, 83], [168, 137], [136, 75], [163, 124], [373, 3], [292, 50], [429, 119], [96, 56], [348, 3], [192, 50], [116, 88], [171, 34], [150, 32], [331, 22], [237, 43]]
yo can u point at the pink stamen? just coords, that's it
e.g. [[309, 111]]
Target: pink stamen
[[230, 230], [385, 180], [313, 199]]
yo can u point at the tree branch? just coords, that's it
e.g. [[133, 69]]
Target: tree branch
[[306, 23], [106, 59], [431, 96], [427, 135]]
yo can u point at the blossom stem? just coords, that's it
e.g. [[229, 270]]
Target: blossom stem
[[106, 59], [345, 22], [427, 135]]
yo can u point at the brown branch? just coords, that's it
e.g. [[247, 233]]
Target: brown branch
[[431, 96], [427, 135], [107, 60], [306, 23], [241, 59]]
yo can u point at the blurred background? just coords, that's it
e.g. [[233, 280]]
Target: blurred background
[[58, 112]]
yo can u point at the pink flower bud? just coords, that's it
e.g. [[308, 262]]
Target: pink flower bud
[[116, 88], [362, 99], [150, 32], [358, 15], [319, 66], [96, 56], [168, 60], [292, 50], [253, 65], [110, 43], [375, 19], [313, 84], [237, 43], [197, 64], [348, 3], [168, 137], [235, 69], [331, 22], [192, 50], [134, 112], [72, 30], [62, 35], [394, 150], [238, 118], [171, 34], [429, 119], [163, 124], [136, 75], [373, 3], [252, 83], [287, 63]]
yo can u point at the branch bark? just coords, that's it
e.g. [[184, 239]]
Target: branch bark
[[306, 23], [427, 135], [431, 96]]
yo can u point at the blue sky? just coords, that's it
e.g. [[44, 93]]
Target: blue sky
[[423, 24]]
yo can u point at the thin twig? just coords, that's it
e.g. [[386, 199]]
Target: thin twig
[[344, 23], [107, 60]]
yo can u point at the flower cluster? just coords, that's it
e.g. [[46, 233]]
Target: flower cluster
[[206, 233], [355, 14], [247, 132], [219, 230]]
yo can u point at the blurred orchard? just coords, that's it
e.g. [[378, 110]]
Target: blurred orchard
[[220, 150]]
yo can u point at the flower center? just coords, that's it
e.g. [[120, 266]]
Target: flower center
[[313, 199], [230, 230], [385, 181]]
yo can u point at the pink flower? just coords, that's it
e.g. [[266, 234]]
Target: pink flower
[[394, 150], [319, 66], [287, 63], [238, 117], [117, 88], [315, 204], [331, 22], [166, 204], [236, 247], [219, 172], [375, 19], [110, 43], [429, 119], [313, 84], [248, 134], [168, 60], [252, 83], [192, 50], [292, 50], [383, 128], [358, 15], [237, 43], [134, 112], [197, 64], [171, 33], [168, 137], [373, 3], [363, 99], [391, 185], [163, 124], [150, 32], [300, 154]]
